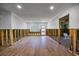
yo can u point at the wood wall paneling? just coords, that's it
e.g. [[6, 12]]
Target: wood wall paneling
[[14, 35], [2, 38], [11, 36], [59, 36], [52, 32], [73, 38], [7, 43]]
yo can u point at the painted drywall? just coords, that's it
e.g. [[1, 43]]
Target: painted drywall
[[44, 20], [73, 18], [17, 22], [5, 19], [52, 24], [9, 20], [36, 26]]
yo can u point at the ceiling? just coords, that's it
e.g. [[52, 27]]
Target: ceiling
[[37, 10]]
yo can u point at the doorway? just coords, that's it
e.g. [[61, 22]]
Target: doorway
[[64, 31], [43, 30]]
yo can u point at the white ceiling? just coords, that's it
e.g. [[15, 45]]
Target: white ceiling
[[37, 10]]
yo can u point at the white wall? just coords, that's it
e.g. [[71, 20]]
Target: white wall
[[9, 20], [37, 19], [40, 20], [17, 22], [52, 24], [36, 26], [73, 18], [5, 19]]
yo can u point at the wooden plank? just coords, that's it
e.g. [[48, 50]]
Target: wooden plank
[[2, 38], [59, 36], [73, 38], [74, 41], [7, 43], [70, 37], [55, 32], [24, 33], [20, 33], [11, 36], [15, 35]]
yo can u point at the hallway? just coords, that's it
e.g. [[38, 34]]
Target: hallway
[[39, 29], [36, 46]]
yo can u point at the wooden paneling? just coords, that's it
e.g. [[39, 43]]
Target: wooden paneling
[[73, 37], [52, 32], [21, 32], [1, 38], [27, 32], [14, 35], [18, 33], [7, 44], [34, 33], [9, 36], [24, 33], [59, 35]]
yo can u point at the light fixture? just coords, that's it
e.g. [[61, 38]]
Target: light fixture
[[19, 6], [51, 7]]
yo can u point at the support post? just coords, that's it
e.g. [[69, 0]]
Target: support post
[[7, 43], [11, 36], [2, 38], [59, 36], [74, 41], [18, 33], [73, 38], [15, 35]]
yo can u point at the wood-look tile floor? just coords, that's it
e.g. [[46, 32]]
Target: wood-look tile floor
[[36, 46]]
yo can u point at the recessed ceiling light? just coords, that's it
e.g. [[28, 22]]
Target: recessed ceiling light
[[51, 7], [19, 6]]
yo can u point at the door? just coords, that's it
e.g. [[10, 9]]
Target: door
[[43, 30]]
